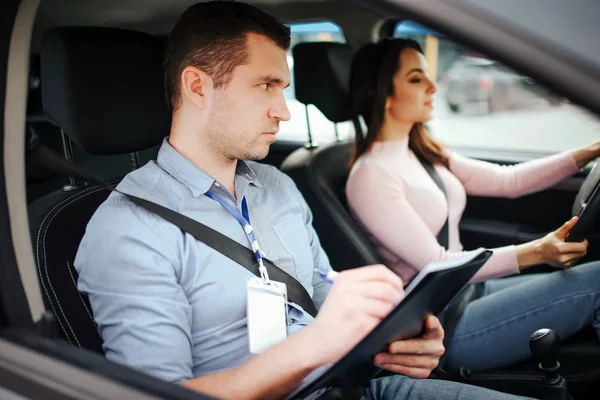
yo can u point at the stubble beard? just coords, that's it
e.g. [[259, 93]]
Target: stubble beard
[[232, 140]]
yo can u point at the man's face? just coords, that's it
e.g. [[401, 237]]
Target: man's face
[[244, 115]]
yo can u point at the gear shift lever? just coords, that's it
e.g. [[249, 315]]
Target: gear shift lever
[[544, 344]]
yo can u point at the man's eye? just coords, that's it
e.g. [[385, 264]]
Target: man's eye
[[264, 86]]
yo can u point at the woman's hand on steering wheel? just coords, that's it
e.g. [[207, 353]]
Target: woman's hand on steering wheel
[[586, 154], [555, 251]]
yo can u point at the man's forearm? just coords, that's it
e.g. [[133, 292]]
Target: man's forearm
[[270, 375]]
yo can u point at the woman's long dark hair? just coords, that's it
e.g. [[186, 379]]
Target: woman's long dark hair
[[371, 82]]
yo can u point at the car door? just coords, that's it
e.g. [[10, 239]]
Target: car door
[[33, 365]]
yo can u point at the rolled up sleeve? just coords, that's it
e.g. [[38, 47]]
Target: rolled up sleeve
[[128, 265]]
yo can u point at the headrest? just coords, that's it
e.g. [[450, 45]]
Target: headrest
[[321, 77], [104, 88]]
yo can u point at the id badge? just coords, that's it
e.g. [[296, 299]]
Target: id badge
[[267, 313]]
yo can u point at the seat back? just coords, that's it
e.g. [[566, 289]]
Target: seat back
[[104, 88], [42, 181], [321, 73], [56, 236], [321, 174]]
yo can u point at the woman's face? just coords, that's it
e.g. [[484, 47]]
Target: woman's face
[[412, 101]]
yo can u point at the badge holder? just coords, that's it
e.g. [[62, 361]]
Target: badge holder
[[267, 311], [266, 300]]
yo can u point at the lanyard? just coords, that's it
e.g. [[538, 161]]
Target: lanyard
[[244, 220]]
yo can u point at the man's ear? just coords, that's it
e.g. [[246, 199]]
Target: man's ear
[[196, 86]]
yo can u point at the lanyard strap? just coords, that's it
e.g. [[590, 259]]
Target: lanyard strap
[[244, 219]]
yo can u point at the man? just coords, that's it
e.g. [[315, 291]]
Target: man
[[169, 305]]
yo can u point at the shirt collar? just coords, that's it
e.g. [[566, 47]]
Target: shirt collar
[[198, 181]]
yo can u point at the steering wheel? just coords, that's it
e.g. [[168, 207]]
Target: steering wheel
[[586, 206]]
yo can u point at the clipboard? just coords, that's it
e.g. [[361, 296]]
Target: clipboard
[[428, 293]]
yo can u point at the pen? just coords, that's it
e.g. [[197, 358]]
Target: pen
[[327, 275]]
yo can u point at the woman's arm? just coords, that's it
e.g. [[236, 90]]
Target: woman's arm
[[378, 200], [586, 154], [552, 249], [481, 178]]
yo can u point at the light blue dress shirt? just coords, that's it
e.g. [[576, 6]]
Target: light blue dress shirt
[[169, 305]]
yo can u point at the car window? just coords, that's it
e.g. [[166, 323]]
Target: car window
[[481, 103], [322, 129]]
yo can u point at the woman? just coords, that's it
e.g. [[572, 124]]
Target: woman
[[393, 197]]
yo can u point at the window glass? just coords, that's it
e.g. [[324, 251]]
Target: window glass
[[481, 103], [322, 129]]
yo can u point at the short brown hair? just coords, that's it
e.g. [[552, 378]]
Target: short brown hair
[[212, 36]]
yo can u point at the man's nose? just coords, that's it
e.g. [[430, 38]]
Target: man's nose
[[280, 110]]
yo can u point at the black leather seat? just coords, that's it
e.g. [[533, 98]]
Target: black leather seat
[[322, 71], [320, 174], [321, 75], [40, 180], [104, 88]]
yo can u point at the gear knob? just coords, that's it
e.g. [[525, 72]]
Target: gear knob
[[544, 344]]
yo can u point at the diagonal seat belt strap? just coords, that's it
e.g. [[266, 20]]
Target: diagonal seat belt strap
[[443, 235]]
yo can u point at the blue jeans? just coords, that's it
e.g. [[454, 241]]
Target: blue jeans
[[494, 330], [404, 388]]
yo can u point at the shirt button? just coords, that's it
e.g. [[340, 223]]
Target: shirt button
[[217, 184]]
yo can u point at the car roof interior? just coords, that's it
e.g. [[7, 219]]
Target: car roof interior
[[158, 17]]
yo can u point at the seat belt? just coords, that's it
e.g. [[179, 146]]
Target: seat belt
[[443, 236], [454, 311], [216, 240]]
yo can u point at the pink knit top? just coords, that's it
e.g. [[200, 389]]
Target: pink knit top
[[391, 195]]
